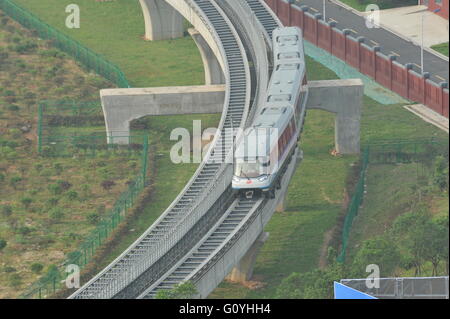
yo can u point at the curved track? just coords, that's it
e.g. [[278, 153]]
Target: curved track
[[205, 220]]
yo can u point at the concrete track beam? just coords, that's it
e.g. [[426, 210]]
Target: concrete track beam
[[162, 21], [121, 106], [342, 97], [213, 70]]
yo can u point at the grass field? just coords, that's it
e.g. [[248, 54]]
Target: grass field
[[361, 5], [115, 29], [441, 48]]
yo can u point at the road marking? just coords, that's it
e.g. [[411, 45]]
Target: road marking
[[395, 53], [353, 31], [331, 19], [417, 65], [374, 42], [441, 78], [315, 10]]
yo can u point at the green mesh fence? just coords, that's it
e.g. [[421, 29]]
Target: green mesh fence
[[53, 280], [421, 150], [90, 59]]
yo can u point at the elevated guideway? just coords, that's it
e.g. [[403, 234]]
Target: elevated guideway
[[169, 237], [206, 230]]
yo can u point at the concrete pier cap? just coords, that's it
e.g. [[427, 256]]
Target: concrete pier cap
[[121, 106]]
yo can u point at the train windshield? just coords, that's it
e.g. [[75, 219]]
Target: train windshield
[[251, 169]]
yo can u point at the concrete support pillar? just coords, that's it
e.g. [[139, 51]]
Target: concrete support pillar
[[121, 106], [243, 271], [162, 21], [344, 98], [213, 70]]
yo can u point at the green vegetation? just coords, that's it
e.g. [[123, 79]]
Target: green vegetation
[[186, 290], [361, 5], [45, 202], [300, 237], [115, 29], [441, 48]]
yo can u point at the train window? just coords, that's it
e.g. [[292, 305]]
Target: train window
[[279, 98], [288, 66], [289, 55]]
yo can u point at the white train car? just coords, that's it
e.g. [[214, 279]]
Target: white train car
[[265, 149]]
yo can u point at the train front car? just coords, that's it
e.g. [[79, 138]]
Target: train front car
[[263, 151]]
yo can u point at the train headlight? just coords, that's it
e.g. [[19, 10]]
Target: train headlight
[[263, 178]]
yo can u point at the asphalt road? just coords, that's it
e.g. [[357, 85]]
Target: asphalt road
[[406, 52]]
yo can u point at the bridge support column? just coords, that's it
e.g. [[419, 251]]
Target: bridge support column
[[344, 98], [121, 106], [243, 271], [213, 70], [162, 21]]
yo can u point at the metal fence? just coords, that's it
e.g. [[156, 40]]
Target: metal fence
[[422, 150], [54, 279], [403, 288], [90, 59]]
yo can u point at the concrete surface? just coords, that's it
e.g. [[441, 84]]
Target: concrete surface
[[243, 271], [428, 115], [213, 70], [407, 21], [121, 106], [162, 21]]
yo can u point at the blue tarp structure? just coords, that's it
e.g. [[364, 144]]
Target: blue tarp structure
[[344, 292]]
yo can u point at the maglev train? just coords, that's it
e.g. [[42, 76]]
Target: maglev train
[[264, 150]]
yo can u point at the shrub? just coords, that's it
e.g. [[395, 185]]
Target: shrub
[[54, 189], [72, 195], [55, 214], [14, 181], [26, 201], [9, 269], [15, 280], [7, 210], [36, 268], [24, 230], [3, 244]]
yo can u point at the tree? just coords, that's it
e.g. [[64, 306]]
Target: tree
[[316, 284], [412, 230], [379, 251], [437, 242], [185, 290]]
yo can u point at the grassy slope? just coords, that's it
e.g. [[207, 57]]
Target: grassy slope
[[32, 234], [441, 48], [115, 29]]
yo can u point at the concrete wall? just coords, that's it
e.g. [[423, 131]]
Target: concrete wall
[[433, 5], [369, 61], [121, 106]]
